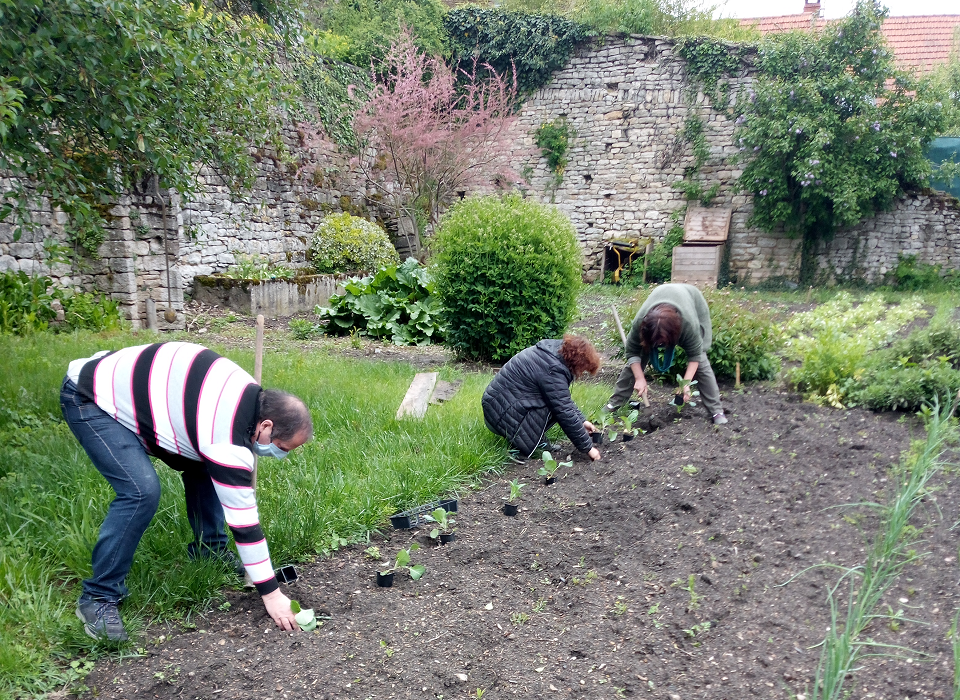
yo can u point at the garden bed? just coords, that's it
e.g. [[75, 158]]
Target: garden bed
[[587, 593], [273, 298]]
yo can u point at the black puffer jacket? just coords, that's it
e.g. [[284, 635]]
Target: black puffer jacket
[[530, 391]]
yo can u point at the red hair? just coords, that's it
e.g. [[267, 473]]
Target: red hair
[[579, 355], [660, 327]]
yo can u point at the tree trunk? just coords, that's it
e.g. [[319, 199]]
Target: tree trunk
[[808, 259]]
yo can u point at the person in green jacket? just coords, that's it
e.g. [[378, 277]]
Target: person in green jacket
[[673, 314]]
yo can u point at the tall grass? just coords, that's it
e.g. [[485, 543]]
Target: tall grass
[[363, 465], [843, 645]]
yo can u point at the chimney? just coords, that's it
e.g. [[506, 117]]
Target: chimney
[[811, 6]]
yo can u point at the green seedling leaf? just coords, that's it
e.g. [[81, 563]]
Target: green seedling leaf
[[417, 571], [294, 607], [403, 558], [306, 619], [435, 533]]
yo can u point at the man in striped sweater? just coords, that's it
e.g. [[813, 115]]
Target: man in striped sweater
[[202, 415]]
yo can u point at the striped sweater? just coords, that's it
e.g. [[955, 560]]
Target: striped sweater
[[187, 404]]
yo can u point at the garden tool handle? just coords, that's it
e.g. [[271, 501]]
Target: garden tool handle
[[623, 337]]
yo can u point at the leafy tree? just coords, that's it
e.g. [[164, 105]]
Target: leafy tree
[[361, 31], [830, 131], [97, 95], [423, 137]]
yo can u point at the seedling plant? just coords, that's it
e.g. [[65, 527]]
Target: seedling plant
[[550, 466], [628, 420], [445, 523], [304, 617], [515, 488], [403, 562], [682, 385]]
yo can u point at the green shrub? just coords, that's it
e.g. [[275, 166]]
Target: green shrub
[[27, 306], [26, 303], [914, 276], [86, 311], [256, 267], [906, 386], [397, 303], [346, 243], [660, 266], [508, 271], [750, 336], [363, 29]]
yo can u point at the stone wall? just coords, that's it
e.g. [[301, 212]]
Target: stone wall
[[204, 234], [627, 100]]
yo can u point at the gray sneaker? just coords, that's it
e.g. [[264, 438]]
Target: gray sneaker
[[719, 419], [101, 620]]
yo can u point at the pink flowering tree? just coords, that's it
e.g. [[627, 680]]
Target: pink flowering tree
[[424, 136]]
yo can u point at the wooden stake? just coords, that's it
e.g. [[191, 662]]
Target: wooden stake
[[646, 257], [623, 337], [257, 377], [738, 376]]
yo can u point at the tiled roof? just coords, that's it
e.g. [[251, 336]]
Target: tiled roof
[[918, 43]]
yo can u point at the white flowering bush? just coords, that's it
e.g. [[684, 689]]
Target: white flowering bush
[[346, 243]]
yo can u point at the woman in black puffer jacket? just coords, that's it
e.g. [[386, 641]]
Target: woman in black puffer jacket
[[532, 392]]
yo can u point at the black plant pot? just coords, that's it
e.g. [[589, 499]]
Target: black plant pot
[[450, 505], [627, 437], [401, 522], [448, 537], [677, 400], [385, 580], [597, 438], [549, 480], [510, 508]]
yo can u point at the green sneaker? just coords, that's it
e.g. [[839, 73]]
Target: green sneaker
[[101, 620]]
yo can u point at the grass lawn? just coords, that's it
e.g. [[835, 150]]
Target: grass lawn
[[362, 466]]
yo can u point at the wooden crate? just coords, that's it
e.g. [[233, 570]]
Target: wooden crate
[[697, 264], [706, 224]]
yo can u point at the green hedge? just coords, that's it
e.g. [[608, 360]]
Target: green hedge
[[507, 273]]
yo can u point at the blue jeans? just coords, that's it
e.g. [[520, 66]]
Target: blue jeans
[[120, 456]]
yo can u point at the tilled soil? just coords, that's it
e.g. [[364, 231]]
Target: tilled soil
[[679, 566]]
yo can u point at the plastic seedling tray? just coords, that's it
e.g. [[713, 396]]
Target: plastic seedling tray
[[414, 517]]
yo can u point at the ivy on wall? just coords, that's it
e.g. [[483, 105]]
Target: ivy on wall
[[708, 60], [553, 139], [335, 90], [528, 46]]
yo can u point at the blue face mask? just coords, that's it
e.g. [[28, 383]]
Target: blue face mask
[[662, 364], [269, 450]]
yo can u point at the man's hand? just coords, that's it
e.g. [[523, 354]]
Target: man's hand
[[278, 607], [687, 394], [594, 454], [589, 427]]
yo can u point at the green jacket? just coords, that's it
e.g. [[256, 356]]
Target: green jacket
[[696, 333]]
